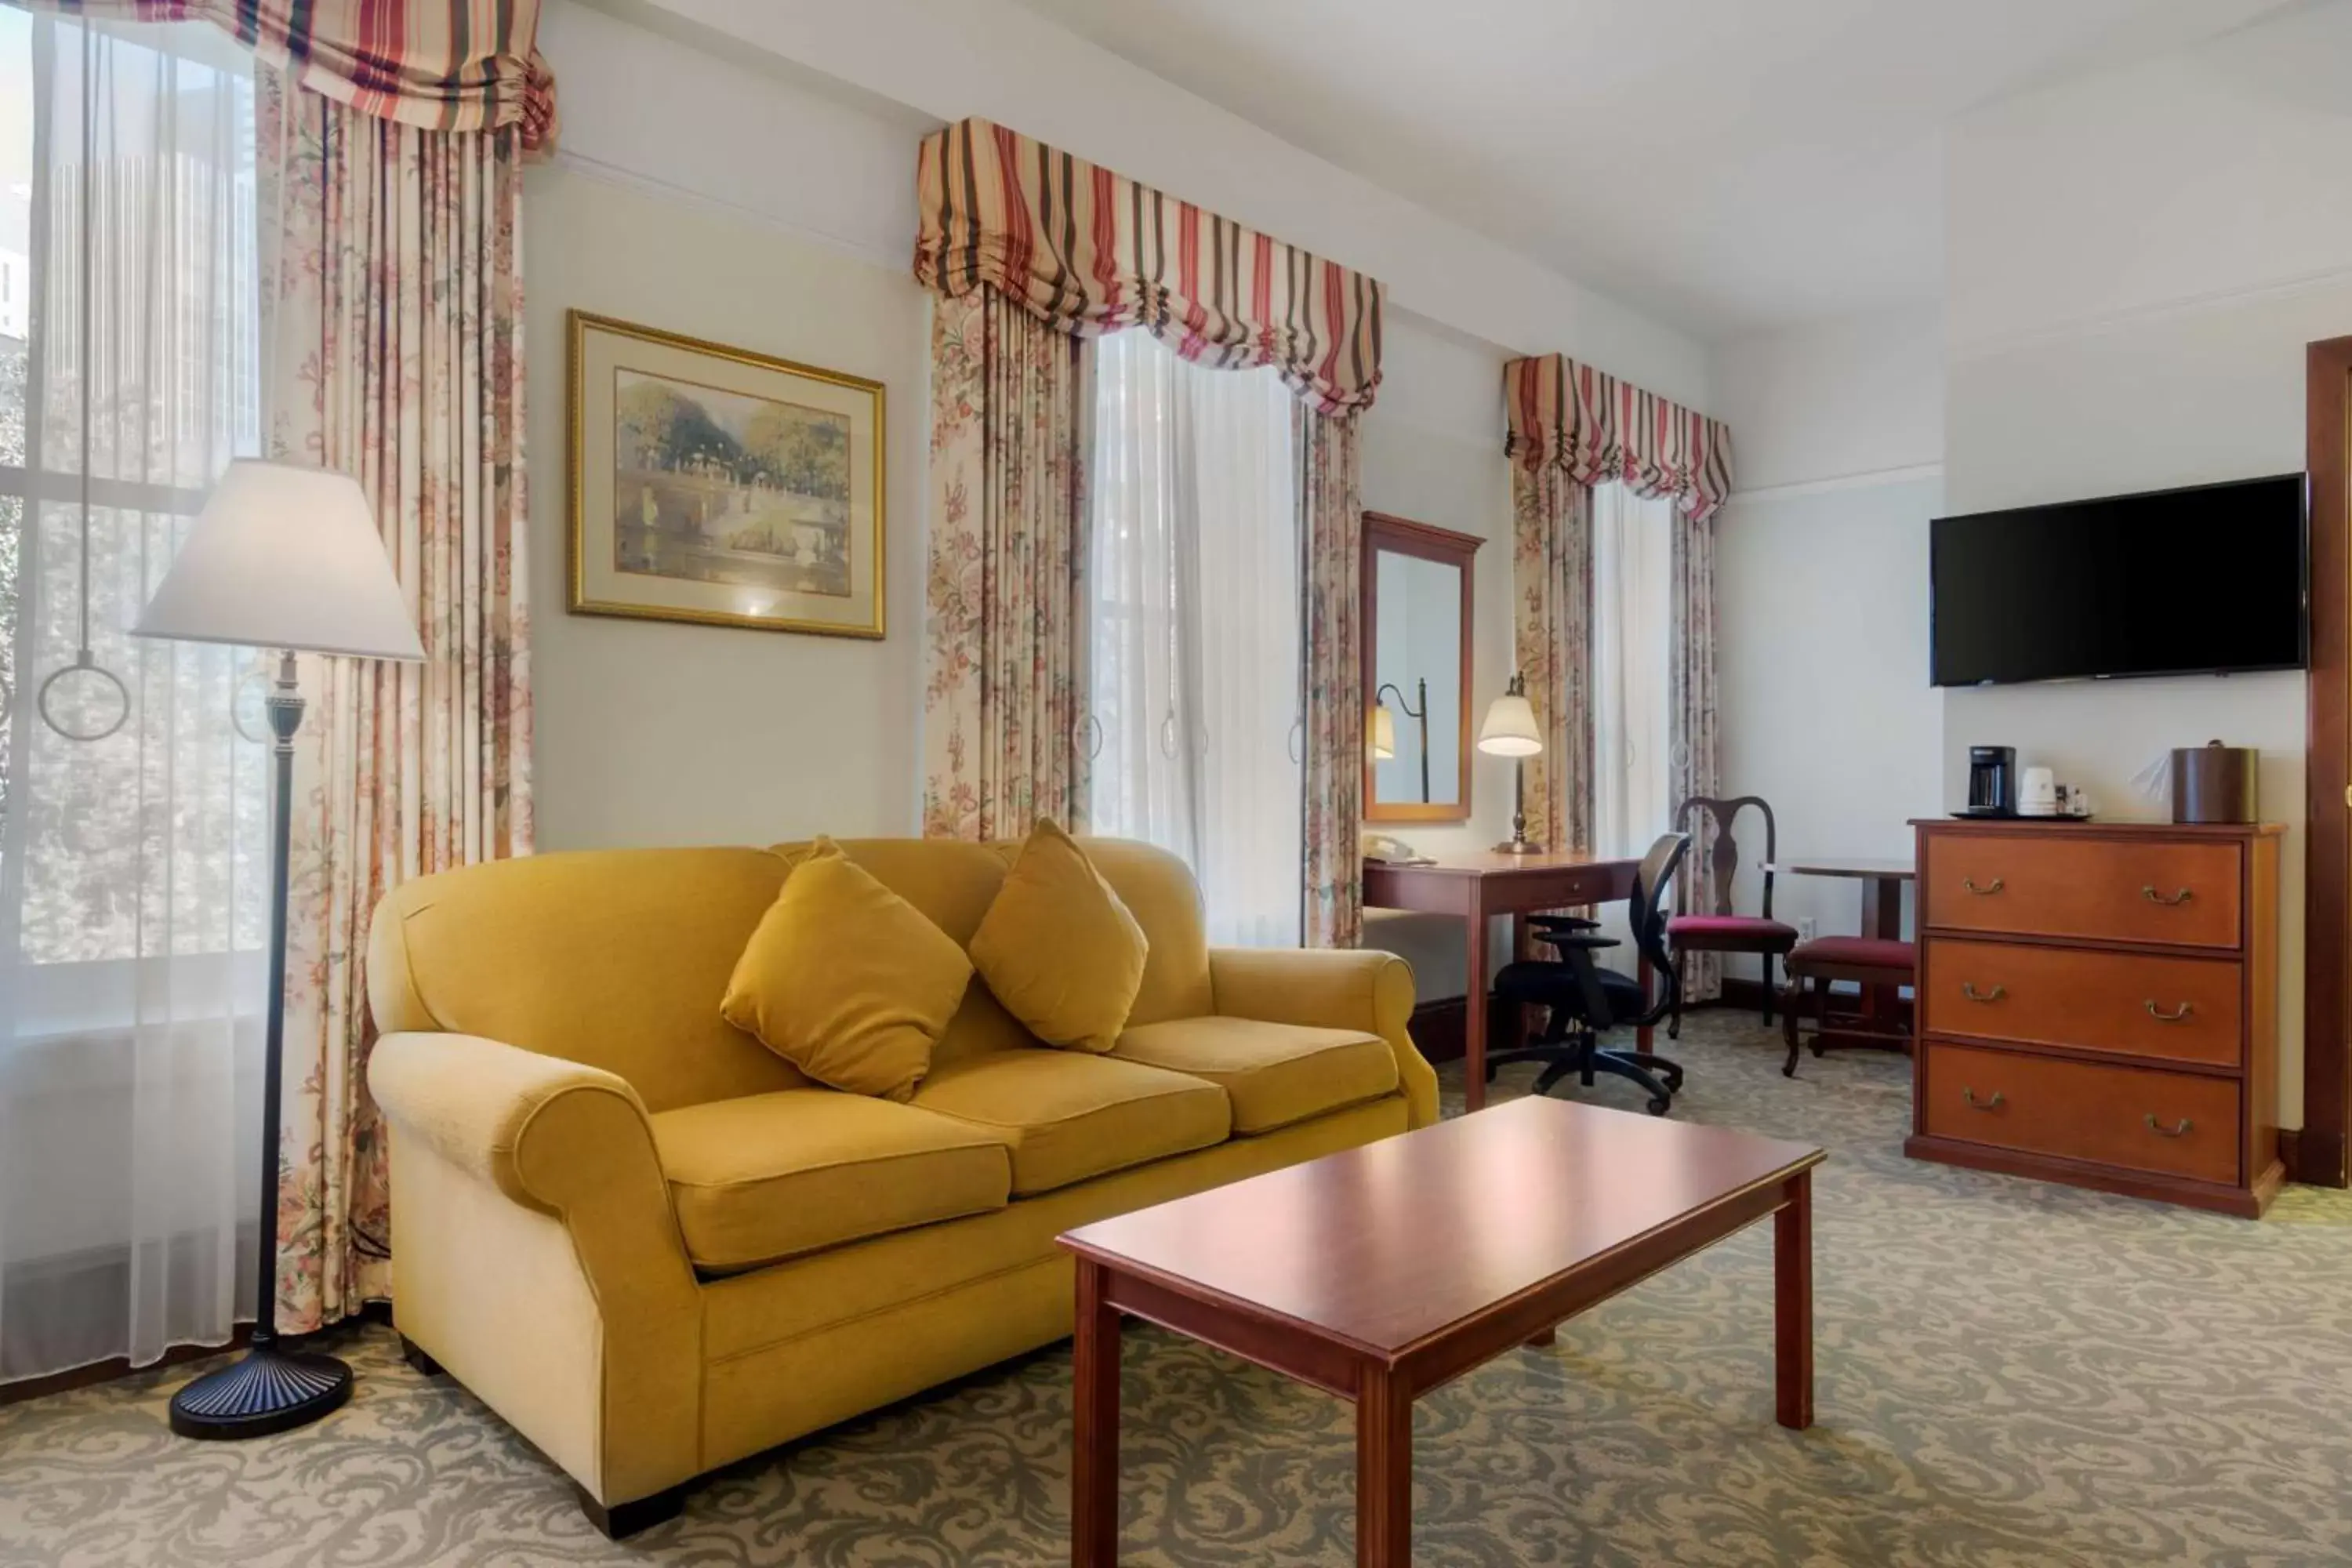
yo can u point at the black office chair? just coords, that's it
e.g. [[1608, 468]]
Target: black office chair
[[1586, 999]]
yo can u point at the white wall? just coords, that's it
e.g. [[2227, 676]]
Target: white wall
[[2135, 262], [1853, 400], [1821, 593], [1432, 452], [668, 207], [651, 732], [994, 58]]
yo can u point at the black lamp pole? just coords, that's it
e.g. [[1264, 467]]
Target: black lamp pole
[[1420, 713], [271, 1389]]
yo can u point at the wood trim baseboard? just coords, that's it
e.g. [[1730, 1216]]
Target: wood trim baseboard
[[1740, 992], [107, 1371], [1437, 1027], [119, 1366]]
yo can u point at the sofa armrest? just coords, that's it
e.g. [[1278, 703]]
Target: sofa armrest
[[538, 1254], [1330, 988], [553, 1135]]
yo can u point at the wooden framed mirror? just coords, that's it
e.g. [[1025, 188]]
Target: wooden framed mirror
[[1417, 586]]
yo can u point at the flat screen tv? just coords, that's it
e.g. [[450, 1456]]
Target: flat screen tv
[[2208, 579]]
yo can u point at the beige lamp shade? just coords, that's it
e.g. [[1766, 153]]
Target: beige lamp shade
[[1510, 728], [285, 556], [1383, 732]]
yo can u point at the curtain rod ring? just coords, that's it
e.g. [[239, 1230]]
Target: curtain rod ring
[[237, 715], [83, 662]]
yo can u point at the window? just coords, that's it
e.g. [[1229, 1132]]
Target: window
[[167, 341], [133, 863], [1633, 634], [1195, 643]]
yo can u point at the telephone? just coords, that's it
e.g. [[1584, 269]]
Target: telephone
[[1390, 851]]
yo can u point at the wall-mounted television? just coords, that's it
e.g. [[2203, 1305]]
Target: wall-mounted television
[[2208, 579]]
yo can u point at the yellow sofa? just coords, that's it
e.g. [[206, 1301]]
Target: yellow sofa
[[653, 1247]]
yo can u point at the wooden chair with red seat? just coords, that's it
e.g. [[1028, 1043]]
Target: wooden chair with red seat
[[1712, 927], [1868, 961]]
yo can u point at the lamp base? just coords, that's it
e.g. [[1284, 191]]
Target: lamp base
[[268, 1390], [1519, 846]]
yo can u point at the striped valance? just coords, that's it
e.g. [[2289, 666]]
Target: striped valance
[[441, 65], [1598, 427], [1091, 251]]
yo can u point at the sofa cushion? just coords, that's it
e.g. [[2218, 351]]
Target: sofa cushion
[[1058, 947], [1068, 1115], [847, 981], [1274, 1074], [769, 1176]]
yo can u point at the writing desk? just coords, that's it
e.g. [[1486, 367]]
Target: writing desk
[[1481, 885]]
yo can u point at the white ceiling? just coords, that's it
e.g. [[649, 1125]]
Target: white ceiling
[[1729, 165]]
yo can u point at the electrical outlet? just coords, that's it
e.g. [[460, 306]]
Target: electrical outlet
[[1805, 928]]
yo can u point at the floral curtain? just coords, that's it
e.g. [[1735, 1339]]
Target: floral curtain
[[393, 349], [457, 64], [1092, 251], [1030, 251], [1571, 427], [1693, 757], [1005, 694], [1551, 582], [1331, 528]]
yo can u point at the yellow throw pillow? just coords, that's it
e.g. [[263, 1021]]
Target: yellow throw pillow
[[1058, 947], [847, 981]]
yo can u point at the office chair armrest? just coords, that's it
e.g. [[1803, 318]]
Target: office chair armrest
[[1562, 922], [1565, 941]]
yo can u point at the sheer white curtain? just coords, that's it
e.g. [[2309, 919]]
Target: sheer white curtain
[[1195, 638], [1633, 642], [133, 861]]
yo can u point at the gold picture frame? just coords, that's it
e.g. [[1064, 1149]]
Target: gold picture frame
[[721, 487]]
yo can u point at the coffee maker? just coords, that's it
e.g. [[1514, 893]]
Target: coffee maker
[[1992, 781]]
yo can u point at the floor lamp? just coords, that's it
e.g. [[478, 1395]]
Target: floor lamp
[[285, 558]]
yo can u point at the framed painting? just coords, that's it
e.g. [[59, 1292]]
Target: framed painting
[[731, 488]]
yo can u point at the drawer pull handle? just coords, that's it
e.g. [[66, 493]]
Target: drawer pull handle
[[2153, 897], [2161, 1130], [1969, 989], [1992, 887], [1974, 1103], [2176, 1015]]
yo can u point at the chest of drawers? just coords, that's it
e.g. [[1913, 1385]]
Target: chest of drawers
[[2098, 1003]]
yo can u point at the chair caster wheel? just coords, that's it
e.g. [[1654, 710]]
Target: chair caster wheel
[[1660, 1104], [1674, 1083]]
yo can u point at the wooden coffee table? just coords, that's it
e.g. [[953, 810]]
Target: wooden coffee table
[[1381, 1272]]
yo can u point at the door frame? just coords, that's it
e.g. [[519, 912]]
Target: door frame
[[2316, 1152]]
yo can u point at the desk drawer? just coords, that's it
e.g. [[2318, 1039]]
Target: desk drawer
[[2137, 1118], [2061, 881], [2133, 1003]]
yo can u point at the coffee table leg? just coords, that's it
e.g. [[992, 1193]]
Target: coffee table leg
[[1383, 1471], [1473, 1016], [1792, 1303], [1094, 1470]]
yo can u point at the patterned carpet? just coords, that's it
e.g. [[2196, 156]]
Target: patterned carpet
[[2010, 1373]]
